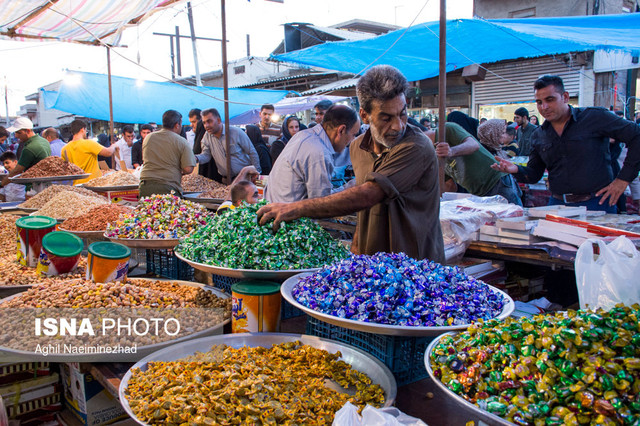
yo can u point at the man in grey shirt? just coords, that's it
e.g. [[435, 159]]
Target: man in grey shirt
[[525, 130], [213, 145], [305, 166]]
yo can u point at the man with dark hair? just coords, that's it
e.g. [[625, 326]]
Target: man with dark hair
[[136, 149], [305, 166], [35, 148], [214, 146], [269, 130], [84, 152], [125, 145], [397, 196], [208, 170], [53, 137], [573, 145], [426, 122], [320, 110], [167, 156], [525, 130]]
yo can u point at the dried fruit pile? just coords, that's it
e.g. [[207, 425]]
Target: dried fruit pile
[[52, 166]]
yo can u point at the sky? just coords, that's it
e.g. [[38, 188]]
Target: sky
[[27, 66]]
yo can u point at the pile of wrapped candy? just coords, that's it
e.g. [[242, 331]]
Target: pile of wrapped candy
[[569, 368], [236, 240], [392, 288], [159, 217]]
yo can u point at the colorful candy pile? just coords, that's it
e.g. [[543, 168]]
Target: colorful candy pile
[[158, 217], [236, 240], [569, 368], [392, 288]]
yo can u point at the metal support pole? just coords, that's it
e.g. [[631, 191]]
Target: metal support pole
[[173, 59], [178, 51], [225, 83], [193, 44], [442, 89], [111, 131]]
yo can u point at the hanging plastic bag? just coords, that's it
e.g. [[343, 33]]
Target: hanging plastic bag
[[610, 277], [389, 416]]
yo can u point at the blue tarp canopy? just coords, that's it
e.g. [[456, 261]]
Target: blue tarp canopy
[[414, 51], [141, 101]]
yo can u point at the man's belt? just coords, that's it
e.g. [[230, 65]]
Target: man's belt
[[573, 198]]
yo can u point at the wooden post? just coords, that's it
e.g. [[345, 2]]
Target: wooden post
[[225, 83], [442, 90]]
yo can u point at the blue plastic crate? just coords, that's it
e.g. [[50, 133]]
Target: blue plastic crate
[[403, 355], [223, 283], [165, 264], [287, 310]]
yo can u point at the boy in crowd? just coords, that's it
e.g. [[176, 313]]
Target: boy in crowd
[[242, 190], [12, 191]]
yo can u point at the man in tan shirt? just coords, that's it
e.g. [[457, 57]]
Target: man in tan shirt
[[397, 196]]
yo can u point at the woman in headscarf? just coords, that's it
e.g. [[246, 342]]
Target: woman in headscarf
[[290, 126], [255, 135], [493, 135]]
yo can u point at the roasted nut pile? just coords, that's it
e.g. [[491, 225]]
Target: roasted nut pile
[[69, 204], [194, 296], [159, 217], [8, 235], [52, 166], [39, 200], [281, 385], [96, 219], [197, 183], [220, 193], [236, 240], [565, 369], [119, 178], [14, 274]]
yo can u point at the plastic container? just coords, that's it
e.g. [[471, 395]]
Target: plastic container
[[60, 253], [107, 262], [255, 307], [30, 232]]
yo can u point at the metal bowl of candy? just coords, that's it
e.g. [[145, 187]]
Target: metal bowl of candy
[[486, 416], [254, 274], [209, 351], [573, 367], [77, 343], [151, 243], [403, 300]]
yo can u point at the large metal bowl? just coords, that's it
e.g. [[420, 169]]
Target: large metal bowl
[[394, 330], [361, 361], [193, 196], [157, 243], [497, 420], [254, 274], [18, 179], [110, 188], [142, 351]]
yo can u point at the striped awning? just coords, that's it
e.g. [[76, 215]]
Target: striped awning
[[79, 21]]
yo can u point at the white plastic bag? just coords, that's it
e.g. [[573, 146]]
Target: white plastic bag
[[389, 416], [610, 277]]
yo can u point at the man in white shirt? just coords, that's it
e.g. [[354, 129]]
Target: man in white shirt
[[124, 145]]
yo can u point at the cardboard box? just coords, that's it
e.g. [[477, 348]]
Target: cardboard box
[[87, 399]]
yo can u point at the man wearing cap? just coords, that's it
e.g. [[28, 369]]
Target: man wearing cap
[[525, 130], [35, 148]]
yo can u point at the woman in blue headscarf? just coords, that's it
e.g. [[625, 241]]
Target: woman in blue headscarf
[[290, 126]]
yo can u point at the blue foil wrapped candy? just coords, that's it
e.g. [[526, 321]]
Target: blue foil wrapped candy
[[394, 289]]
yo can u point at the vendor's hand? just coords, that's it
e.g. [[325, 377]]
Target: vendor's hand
[[613, 191], [504, 166], [249, 173], [5, 180], [279, 212], [443, 150]]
